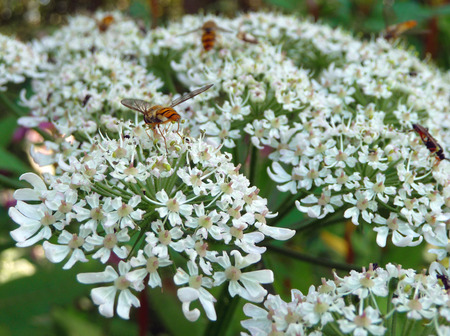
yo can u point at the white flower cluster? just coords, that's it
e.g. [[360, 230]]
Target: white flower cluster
[[18, 61], [335, 115], [127, 197], [354, 305], [85, 35], [329, 116], [82, 97]]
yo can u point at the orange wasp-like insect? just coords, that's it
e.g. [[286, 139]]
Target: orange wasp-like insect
[[431, 143], [104, 23], [155, 115], [396, 30], [209, 29]]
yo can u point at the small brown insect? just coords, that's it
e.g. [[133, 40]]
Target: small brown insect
[[104, 23], [155, 115], [431, 143], [209, 35], [396, 30]]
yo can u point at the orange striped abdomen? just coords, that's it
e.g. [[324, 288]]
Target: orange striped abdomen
[[208, 39], [169, 113]]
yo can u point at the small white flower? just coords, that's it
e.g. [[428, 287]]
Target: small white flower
[[321, 206], [378, 189], [35, 221], [152, 263], [246, 285], [361, 325], [69, 243], [110, 243], [124, 213], [173, 207], [362, 203], [438, 238], [402, 233], [195, 290], [104, 297]]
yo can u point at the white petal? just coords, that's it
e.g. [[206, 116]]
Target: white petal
[[191, 315], [45, 233], [279, 174], [77, 255], [108, 275], [187, 294], [126, 300], [154, 280], [254, 311], [276, 232], [34, 179], [104, 297], [261, 276], [383, 232], [206, 299], [55, 253]]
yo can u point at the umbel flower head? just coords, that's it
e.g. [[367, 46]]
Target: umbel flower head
[[333, 115], [328, 115], [354, 304], [125, 196]]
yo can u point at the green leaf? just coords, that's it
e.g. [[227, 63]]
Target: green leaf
[[7, 127], [11, 163], [74, 323], [285, 4], [412, 11]]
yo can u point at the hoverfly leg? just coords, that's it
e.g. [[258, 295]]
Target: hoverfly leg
[[178, 132], [165, 142]]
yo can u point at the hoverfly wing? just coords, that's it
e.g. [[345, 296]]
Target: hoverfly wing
[[189, 95], [190, 31], [137, 104], [224, 30]]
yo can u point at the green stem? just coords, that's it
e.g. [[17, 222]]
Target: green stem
[[314, 260], [226, 306], [394, 324], [138, 239], [389, 308], [253, 160], [336, 330], [408, 326], [171, 180]]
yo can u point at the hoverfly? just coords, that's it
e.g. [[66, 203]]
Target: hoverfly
[[104, 23], [431, 143], [396, 30], [209, 29], [155, 115]]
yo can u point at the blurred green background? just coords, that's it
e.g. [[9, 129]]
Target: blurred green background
[[34, 295]]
